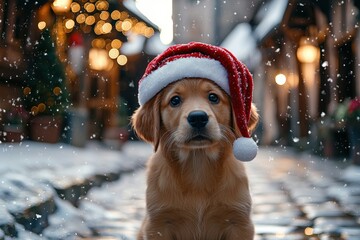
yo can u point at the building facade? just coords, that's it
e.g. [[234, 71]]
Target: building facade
[[88, 37], [309, 67], [209, 21]]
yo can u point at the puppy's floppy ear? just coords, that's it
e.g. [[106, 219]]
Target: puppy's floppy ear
[[254, 119], [146, 122]]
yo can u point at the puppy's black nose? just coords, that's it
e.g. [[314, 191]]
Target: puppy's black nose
[[198, 119]]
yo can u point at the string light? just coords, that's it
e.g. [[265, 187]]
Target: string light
[[114, 53], [122, 60], [126, 25], [104, 15], [89, 7], [106, 28], [90, 20], [116, 43], [80, 18], [41, 107], [75, 7], [115, 15], [96, 17], [42, 25], [69, 24]]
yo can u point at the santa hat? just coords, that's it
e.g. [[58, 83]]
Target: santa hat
[[217, 64]]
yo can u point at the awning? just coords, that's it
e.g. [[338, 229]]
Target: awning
[[138, 44], [154, 46], [134, 45], [131, 7], [273, 13], [242, 43]]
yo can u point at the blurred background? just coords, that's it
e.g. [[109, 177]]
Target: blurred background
[[79, 62]]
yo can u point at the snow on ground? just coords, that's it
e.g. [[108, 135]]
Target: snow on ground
[[29, 171]]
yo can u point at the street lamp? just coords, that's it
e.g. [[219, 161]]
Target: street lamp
[[307, 52], [280, 79], [61, 6]]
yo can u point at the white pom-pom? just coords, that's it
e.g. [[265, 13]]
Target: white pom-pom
[[245, 149]]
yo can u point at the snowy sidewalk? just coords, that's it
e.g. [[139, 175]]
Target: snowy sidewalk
[[35, 178], [297, 195]]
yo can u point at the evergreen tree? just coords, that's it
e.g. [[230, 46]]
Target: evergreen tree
[[45, 92]]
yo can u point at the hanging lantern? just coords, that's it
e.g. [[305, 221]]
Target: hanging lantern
[[307, 52]]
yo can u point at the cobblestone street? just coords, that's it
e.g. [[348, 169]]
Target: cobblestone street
[[295, 196]]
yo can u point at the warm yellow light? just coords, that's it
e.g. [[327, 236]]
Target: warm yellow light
[[34, 110], [292, 80], [98, 27], [148, 32], [114, 53], [41, 107], [61, 6], [57, 91], [27, 91], [116, 43], [309, 231], [115, 15], [126, 25], [124, 15], [75, 7], [106, 28], [69, 24], [80, 18], [98, 59], [139, 28], [102, 5], [90, 20], [42, 25], [122, 60], [308, 53], [118, 26], [89, 7], [280, 79], [98, 43], [104, 15]]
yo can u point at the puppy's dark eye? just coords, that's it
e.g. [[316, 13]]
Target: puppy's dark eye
[[213, 98], [175, 101]]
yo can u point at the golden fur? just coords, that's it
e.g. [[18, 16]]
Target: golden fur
[[196, 189]]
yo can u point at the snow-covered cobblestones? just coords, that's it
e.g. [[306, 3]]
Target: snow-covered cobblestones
[[295, 195], [36, 178]]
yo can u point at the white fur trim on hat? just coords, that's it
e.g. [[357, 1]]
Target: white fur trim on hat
[[245, 149], [189, 67]]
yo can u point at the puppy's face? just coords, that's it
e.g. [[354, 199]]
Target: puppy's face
[[189, 114], [195, 113]]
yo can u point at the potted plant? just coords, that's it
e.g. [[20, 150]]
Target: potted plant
[[15, 121], [353, 121], [45, 94]]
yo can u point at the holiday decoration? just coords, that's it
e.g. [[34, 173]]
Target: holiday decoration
[[45, 94]]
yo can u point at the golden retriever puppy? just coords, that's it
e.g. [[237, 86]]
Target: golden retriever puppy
[[196, 189]]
